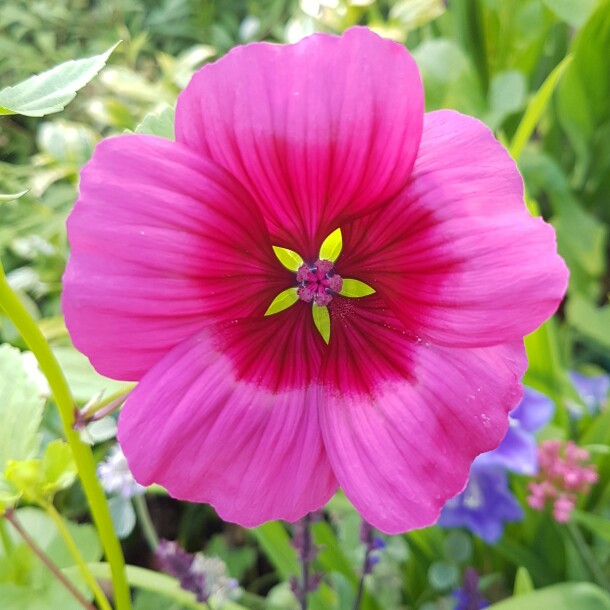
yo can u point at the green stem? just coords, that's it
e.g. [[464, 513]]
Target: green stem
[[83, 456], [101, 599], [7, 543], [59, 575], [148, 529], [584, 551]]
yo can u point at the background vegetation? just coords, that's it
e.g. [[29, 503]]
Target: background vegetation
[[536, 71]]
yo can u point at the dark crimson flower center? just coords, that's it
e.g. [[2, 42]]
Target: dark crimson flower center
[[318, 282]]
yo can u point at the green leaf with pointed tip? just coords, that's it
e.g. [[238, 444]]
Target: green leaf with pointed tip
[[290, 259], [287, 298], [51, 91], [355, 289], [12, 196], [321, 318], [331, 246], [523, 582]]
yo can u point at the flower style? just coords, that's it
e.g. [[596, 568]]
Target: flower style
[[390, 391]]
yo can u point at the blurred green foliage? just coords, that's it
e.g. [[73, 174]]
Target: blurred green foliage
[[487, 58]]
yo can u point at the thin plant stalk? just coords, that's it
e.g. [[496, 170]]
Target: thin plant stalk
[[57, 573], [101, 599], [7, 543], [360, 591], [587, 557], [145, 522], [305, 557], [83, 457]]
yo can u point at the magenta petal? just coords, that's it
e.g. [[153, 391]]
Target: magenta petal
[[456, 255], [401, 449], [163, 242], [318, 132], [192, 426]]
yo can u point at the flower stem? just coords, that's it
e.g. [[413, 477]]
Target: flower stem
[[305, 554], [360, 591], [101, 599], [7, 543], [57, 573], [83, 456], [146, 524]]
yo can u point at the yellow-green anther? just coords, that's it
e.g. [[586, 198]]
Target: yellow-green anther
[[290, 259], [321, 318], [331, 246], [282, 301], [355, 288]]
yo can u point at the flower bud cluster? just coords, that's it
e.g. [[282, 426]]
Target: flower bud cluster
[[565, 472]]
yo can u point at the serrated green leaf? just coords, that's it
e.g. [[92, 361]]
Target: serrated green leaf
[[159, 123], [321, 318], [9, 494], [21, 408], [58, 467], [51, 91], [40, 479], [287, 298], [355, 289], [332, 246], [289, 258], [26, 476]]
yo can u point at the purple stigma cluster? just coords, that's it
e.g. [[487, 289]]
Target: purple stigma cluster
[[318, 283]]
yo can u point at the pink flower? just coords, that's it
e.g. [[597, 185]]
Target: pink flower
[[389, 395], [565, 473]]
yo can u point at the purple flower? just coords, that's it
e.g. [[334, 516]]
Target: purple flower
[[206, 577], [469, 597], [592, 390], [487, 502], [485, 505], [518, 450]]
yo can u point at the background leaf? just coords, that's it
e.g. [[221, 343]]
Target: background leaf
[[21, 409], [50, 91]]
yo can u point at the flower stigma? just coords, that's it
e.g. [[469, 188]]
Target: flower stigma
[[318, 283]]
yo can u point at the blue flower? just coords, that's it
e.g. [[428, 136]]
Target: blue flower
[[485, 505], [468, 597], [518, 450], [487, 502], [592, 390]]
